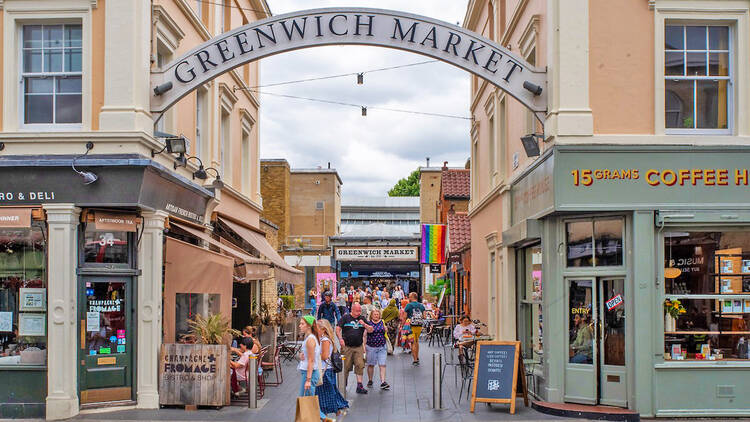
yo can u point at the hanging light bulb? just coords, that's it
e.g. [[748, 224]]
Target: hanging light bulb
[[360, 78], [364, 111]]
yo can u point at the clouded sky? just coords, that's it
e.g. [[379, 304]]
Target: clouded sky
[[370, 153]]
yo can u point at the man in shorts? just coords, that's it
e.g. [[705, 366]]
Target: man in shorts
[[351, 332], [415, 313]]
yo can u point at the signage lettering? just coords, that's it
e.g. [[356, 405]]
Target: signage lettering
[[357, 254], [665, 177], [182, 212], [342, 26], [27, 196]]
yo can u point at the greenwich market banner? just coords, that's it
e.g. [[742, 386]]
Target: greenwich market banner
[[377, 254]]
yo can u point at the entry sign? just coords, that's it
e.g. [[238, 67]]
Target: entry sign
[[614, 302], [498, 372], [435, 268]]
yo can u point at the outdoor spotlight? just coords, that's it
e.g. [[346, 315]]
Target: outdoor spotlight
[[162, 88], [530, 144], [217, 184], [88, 177], [360, 78], [172, 144], [533, 88], [364, 111]]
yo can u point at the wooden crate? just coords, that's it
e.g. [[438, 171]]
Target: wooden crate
[[194, 375]]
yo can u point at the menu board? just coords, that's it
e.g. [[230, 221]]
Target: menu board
[[498, 372]]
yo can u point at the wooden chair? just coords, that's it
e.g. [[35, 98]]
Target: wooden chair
[[274, 366]]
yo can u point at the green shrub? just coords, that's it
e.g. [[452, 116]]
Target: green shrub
[[288, 301]]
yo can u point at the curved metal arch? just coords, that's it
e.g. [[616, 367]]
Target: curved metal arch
[[350, 26]]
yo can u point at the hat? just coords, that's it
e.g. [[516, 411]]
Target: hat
[[309, 319], [327, 293]]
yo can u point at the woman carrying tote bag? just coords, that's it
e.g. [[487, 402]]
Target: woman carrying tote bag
[[308, 409]]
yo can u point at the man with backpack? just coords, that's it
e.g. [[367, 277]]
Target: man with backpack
[[415, 313], [328, 309]]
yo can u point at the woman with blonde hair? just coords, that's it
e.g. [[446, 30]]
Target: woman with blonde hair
[[376, 350], [329, 396]]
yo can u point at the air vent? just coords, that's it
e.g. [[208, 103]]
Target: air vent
[[725, 391], [319, 205]]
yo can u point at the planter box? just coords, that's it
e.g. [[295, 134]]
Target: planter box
[[194, 374]]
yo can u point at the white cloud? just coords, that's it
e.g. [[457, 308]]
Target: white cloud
[[371, 153]]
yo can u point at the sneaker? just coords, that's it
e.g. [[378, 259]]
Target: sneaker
[[369, 384], [384, 386], [415, 363], [361, 390]]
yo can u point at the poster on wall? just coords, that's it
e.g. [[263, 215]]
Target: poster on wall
[[6, 321], [325, 281]]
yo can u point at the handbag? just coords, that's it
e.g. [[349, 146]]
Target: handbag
[[337, 364], [388, 345], [308, 409]]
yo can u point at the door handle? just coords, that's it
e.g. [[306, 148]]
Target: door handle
[[83, 334]]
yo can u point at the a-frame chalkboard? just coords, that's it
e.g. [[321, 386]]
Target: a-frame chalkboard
[[498, 372]]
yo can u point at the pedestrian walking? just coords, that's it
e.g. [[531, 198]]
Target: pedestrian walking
[[341, 302], [367, 307], [390, 318], [328, 310], [309, 358], [312, 294], [415, 313], [386, 299], [329, 396], [398, 294], [376, 349], [351, 333]]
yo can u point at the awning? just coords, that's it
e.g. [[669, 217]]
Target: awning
[[284, 272], [256, 268]]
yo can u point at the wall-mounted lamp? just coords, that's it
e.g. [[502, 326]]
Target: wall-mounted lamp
[[2, 146], [201, 172], [217, 184], [530, 144], [172, 144], [360, 78], [88, 177]]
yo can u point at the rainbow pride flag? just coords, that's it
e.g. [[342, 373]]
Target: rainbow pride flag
[[433, 243]]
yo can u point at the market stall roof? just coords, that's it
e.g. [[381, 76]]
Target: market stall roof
[[256, 268], [284, 272]]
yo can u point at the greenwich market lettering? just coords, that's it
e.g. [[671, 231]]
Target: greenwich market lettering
[[340, 26], [376, 253], [664, 177]]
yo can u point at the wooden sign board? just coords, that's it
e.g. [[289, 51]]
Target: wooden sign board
[[194, 374], [498, 374]]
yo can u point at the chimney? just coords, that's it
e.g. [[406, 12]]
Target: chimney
[[329, 164], [445, 165], [428, 161]]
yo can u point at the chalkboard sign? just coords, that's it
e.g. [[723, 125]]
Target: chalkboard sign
[[498, 372]]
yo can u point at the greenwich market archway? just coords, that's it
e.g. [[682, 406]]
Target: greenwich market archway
[[350, 26]]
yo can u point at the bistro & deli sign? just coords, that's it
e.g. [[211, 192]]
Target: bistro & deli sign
[[350, 26], [377, 254]]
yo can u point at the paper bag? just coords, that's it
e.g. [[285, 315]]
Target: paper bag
[[308, 409]]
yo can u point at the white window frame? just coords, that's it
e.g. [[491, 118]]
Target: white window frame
[[201, 121], [730, 78], [15, 17], [736, 16], [246, 163]]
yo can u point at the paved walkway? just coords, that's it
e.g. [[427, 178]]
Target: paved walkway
[[410, 399]]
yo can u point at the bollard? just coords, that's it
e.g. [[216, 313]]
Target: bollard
[[341, 379], [437, 381], [252, 383]]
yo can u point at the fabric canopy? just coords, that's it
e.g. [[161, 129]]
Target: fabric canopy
[[284, 272], [256, 268]]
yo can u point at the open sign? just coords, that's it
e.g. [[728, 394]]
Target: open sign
[[614, 302]]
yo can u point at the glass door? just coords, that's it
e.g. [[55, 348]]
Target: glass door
[[612, 378], [582, 356], [106, 349]]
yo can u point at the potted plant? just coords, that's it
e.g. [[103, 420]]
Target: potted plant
[[196, 372], [672, 309]]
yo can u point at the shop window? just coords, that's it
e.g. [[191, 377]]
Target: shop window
[[530, 323], [106, 321], [698, 75], [594, 243], [51, 74], [188, 305], [707, 286], [23, 296], [106, 247]]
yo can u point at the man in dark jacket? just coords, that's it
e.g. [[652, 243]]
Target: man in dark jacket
[[328, 309]]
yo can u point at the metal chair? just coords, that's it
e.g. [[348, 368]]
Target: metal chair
[[275, 367], [451, 359], [261, 380], [467, 373]]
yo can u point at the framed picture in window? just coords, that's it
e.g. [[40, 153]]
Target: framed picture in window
[[32, 325], [34, 300]]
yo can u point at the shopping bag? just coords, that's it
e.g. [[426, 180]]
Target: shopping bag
[[308, 409], [388, 345]]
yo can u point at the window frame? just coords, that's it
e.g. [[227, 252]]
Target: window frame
[[592, 219], [731, 52], [21, 116]]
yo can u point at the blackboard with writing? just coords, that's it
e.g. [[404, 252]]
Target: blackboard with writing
[[498, 373]]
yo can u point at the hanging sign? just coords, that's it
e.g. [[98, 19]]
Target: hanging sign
[[433, 243], [614, 302], [498, 374], [435, 268], [15, 217], [106, 221]]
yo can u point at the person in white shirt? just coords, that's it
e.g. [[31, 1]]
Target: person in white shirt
[[385, 300], [465, 329]]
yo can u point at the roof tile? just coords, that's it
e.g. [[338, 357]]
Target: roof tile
[[456, 183], [459, 231]]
